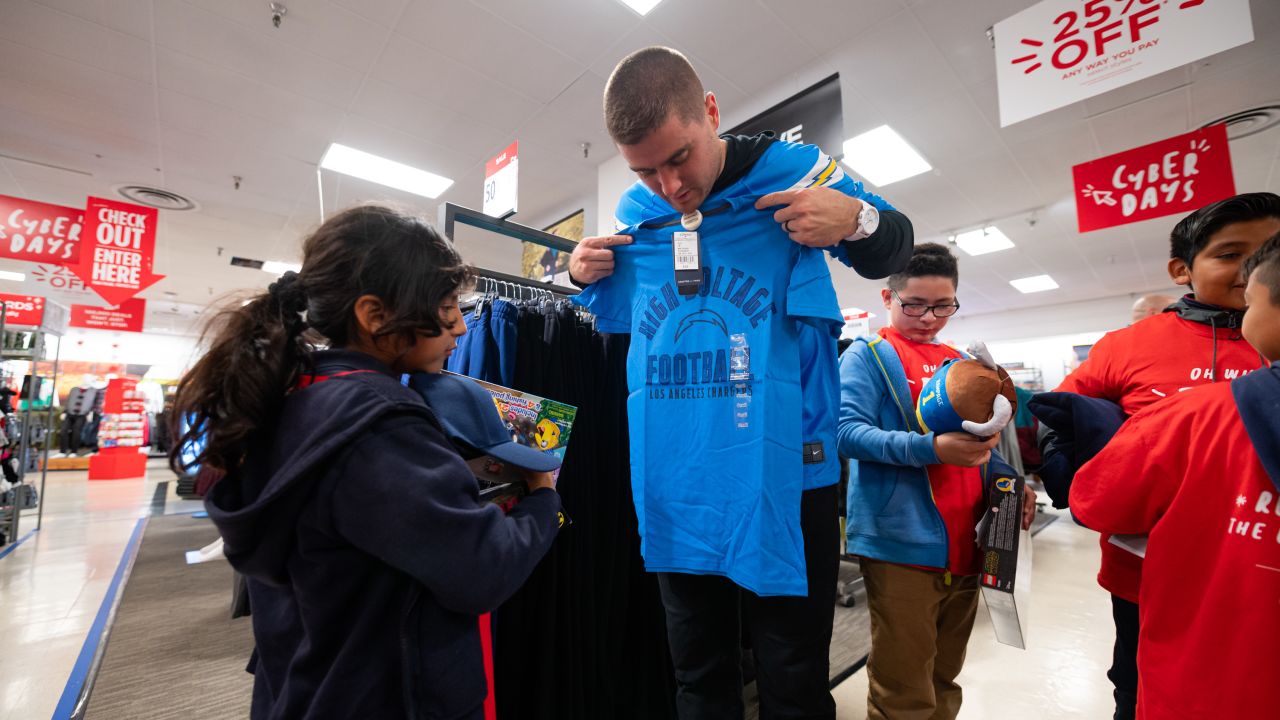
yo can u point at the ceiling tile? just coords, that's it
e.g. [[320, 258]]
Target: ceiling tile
[[1146, 89], [1213, 97], [959, 30], [127, 16], [955, 133], [268, 181], [595, 24], [310, 124], [454, 85], [223, 124], [428, 118], [773, 53], [95, 88], [41, 28], [1047, 160], [897, 64], [570, 120], [327, 30], [384, 12], [489, 45], [1159, 117], [824, 24], [222, 42]]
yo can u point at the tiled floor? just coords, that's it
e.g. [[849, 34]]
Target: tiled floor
[[53, 584], [1063, 673]]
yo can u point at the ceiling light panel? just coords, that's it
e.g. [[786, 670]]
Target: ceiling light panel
[[982, 241], [883, 157], [380, 170], [1034, 284]]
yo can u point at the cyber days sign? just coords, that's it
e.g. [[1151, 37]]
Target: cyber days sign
[[1173, 176], [1059, 52]]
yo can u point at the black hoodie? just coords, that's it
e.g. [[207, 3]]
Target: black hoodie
[[369, 555]]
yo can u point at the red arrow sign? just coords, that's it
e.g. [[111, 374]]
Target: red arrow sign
[[119, 245]]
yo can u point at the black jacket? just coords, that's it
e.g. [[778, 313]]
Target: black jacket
[[369, 554]]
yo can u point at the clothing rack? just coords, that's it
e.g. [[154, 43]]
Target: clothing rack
[[451, 215]]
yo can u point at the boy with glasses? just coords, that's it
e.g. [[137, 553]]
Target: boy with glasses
[[915, 498]]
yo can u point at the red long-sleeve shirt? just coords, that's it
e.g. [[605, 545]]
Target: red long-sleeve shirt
[[957, 491], [1185, 473], [1144, 363]]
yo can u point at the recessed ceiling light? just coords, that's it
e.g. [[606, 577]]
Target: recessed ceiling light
[[366, 166], [280, 268], [883, 157], [641, 6], [14, 276], [985, 240], [1035, 283]]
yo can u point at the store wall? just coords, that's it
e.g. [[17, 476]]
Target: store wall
[[1098, 315], [168, 355], [613, 179]]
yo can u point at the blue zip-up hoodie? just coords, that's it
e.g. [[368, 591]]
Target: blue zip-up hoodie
[[891, 512], [369, 555]]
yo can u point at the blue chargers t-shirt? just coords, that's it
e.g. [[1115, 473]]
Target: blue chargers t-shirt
[[716, 401], [675, 539]]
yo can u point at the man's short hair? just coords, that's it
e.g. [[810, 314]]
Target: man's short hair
[[645, 89], [1192, 233], [1266, 261]]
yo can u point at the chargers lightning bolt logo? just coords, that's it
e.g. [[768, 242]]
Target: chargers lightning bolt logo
[[708, 317]]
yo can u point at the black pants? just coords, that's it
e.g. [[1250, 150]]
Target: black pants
[[791, 635], [1124, 658], [72, 428]]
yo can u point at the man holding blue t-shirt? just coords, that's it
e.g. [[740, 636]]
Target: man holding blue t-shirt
[[722, 281]]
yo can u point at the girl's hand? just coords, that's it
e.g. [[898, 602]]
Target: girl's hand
[[539, 480]]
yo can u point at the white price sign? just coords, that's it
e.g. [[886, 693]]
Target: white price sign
[[1059, 52], [500, 183]]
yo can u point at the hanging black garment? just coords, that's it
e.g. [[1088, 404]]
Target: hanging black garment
[[585, 637]]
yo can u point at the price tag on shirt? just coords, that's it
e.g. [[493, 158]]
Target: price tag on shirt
[[688, 262]]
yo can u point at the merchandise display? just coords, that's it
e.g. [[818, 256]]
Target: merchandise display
[[640, 359]]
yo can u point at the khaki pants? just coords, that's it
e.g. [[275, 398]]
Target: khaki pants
[[919, 634]]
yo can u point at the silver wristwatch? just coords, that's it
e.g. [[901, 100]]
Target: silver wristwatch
[[868, 221]]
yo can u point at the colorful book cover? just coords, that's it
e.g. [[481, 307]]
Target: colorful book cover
[[532, 421]]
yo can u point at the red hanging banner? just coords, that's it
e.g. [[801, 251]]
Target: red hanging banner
[[39, 232], [120, 243], [1172, 176], [27, 310], [126, 318]]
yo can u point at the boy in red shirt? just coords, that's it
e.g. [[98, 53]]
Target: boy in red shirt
[[1196, 341], [1200, 474]]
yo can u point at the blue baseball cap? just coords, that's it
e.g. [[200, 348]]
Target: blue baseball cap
[[468, 415]]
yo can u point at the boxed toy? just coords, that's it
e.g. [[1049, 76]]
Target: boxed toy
[[1006, 561]]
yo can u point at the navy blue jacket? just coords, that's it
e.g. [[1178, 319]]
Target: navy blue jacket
[[1082, 426], [369, 555]]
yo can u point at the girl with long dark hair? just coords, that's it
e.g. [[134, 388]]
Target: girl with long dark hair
[[368, 553]]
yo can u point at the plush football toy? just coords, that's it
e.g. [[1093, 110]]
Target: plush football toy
[[967, 395]]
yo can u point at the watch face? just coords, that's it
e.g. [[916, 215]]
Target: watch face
[[869, 219]]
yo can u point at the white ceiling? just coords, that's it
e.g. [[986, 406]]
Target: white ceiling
[[186, 94]]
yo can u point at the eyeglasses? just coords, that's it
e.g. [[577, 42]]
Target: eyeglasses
[[919, 309]]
